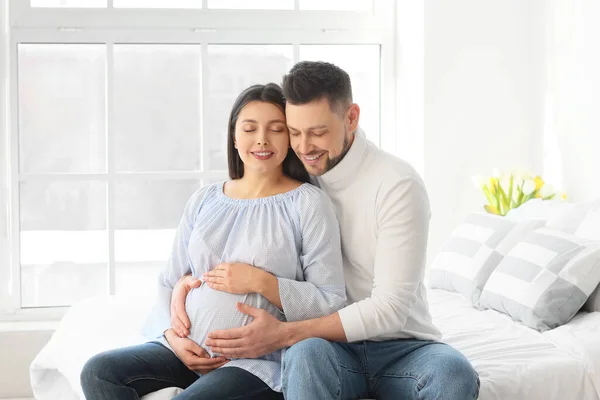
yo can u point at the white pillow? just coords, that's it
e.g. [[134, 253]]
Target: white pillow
[[163, 394], [89, 327], [590, 229], [570, 216], [473, 251], [536, 209]]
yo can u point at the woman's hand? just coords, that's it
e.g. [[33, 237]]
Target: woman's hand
[[180, 322], [236, 278], [193, 356]]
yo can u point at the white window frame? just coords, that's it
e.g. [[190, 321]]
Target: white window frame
[[202, 26], [5, 271]]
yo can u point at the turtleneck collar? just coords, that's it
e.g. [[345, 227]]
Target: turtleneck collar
[[346, 169]]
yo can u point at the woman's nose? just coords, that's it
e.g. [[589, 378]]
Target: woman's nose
[[262, 139]]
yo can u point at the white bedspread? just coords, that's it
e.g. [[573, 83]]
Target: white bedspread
[[514, 362]]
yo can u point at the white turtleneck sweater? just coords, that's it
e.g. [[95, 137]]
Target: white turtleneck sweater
[[383, 210]]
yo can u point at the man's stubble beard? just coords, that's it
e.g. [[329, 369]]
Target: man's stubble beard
[[332, 162]]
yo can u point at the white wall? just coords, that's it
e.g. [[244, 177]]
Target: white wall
[[484, 79], [410, 20], [17, 351]]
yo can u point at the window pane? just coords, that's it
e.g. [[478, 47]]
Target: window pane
[[157, 3], [252, 4], [340, 5], [147, 216], [361, 62], [64, 250], [61, 107], [69, 3], [157, 90], [231, 69]]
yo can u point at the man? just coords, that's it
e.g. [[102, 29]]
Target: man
[[383, 344]]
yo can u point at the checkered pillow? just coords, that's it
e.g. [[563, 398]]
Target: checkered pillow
[[544, 279], [474, 250]]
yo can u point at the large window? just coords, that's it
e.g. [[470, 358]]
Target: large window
[[118, 113]]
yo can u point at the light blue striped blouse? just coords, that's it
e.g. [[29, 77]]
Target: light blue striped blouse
[[294, 235]]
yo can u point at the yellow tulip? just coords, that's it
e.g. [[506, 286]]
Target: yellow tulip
[[491, 209], [493, 185], [538, 183]]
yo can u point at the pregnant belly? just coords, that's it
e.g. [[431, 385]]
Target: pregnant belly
[[210, 310]]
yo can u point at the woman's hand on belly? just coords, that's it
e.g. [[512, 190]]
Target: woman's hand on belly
[[235, 278], [180, 321], [193, 356]]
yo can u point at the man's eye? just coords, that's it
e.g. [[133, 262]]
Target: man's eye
[[294, 133]]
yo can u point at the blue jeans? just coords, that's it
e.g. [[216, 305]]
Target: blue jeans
[[397, 369], [132, 372]]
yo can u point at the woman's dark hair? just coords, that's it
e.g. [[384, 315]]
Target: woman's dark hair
[[269, 93]]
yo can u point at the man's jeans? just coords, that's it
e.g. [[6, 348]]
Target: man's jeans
[[397, 369], [133, 372]]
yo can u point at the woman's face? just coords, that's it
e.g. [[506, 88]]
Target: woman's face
[[261, 136]]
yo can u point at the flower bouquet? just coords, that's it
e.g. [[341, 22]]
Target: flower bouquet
[[506, 191]]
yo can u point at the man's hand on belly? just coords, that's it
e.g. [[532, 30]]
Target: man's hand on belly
[[264, 335], [193, 356]]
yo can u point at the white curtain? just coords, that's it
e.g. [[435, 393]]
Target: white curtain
[[572, 98]]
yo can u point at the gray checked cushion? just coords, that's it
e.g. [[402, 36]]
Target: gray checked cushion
[[545, 279], [473, 251]]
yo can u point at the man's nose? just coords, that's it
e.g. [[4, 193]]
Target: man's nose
[[304, 144]]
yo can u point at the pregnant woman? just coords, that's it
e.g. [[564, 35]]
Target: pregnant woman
[[266, 229]]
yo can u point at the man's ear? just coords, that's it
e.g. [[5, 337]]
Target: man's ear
[[352, 117]]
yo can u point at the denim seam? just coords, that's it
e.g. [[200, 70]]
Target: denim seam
[[339, 374], [478, 388], [251, 394], [352, 370], [151, 378]]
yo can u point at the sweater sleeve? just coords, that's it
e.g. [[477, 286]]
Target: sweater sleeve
[[178, 265], [402, 217], [323, 290]]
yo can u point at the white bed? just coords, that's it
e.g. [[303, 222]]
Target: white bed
[[514, 362]]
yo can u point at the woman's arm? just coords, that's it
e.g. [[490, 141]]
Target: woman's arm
[[322, 291], [178, 265]]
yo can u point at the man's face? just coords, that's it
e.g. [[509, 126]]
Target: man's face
[[320, 136]]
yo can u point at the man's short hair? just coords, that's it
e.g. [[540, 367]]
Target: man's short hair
[[308, 81]]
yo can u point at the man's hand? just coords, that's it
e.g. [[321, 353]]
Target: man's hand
[[236, 278], [180, 321], [193, 356], [264, 335]]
